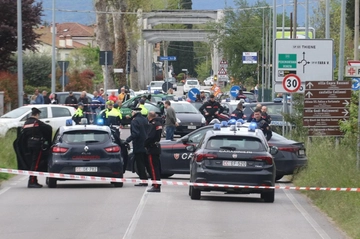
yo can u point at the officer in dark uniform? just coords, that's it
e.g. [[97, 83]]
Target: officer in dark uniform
[[37, 136], [211, 109], [265, 115], [262, 124], [153, 149], [251, 116], [138, 135], [238, 113]]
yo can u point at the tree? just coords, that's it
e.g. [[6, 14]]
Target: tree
[[8, 83], [31, 16], [350, 15], [80, 81], [36, 69]]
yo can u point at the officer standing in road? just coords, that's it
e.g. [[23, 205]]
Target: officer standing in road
[[111, 115], [37, 135], [265, 115], [152, 145], [238, 113], [141, 105], [138, 135], [79, 113], [211, 109], [262, 124]]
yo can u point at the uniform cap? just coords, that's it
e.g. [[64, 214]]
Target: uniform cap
[[80, 104], [142, 101], [35, 111]]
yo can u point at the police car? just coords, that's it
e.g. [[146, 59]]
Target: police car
[[85, 150], [175, 158], [231, 154]]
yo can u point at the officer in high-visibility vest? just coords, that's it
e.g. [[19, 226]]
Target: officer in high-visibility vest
[[111, 115], [144, 111], [79, 113]]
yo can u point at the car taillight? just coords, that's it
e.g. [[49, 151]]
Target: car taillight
[[266, 159], [289, 149], [112, 149], [201, 157], [60, 150]]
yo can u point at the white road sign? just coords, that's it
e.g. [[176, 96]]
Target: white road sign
[[352, 71], [310, 59]]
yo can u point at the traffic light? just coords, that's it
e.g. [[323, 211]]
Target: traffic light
[[215, 77]]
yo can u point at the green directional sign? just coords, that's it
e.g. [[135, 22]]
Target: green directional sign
[[287, 61]]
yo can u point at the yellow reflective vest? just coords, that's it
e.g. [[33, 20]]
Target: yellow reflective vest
[[144, 111]]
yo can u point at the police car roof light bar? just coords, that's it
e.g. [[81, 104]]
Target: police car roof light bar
[[224, 123], [217, 126], [69, 122], [252, 126]]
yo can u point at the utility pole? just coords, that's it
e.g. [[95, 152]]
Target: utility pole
[[295, 19], [342, 41], [356, 31], [327, 19], [306, 19], [20, 54], [53, 53]]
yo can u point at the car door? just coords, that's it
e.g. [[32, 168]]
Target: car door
[[175, 157]]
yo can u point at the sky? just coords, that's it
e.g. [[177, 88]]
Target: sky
[[71, 9]]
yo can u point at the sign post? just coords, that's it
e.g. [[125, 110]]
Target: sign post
[[63, 66], [325, 104], [106, 59], [193, 93]]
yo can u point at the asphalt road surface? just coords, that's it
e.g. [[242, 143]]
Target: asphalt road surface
[[80, 209]]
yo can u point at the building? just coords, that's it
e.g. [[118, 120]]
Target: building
[[69, 36]]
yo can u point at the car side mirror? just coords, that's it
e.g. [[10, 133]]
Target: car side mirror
[[190, 148], [273, 150], [185, 139]]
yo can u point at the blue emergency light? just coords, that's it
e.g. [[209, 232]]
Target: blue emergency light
[[100, 121], [156, 92], [232, 122], [180, 99], [241, 121], [217, 126], [224, 123], [252, 126], [69, 122]]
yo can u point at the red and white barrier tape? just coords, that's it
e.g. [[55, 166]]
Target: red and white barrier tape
[[166, 182]]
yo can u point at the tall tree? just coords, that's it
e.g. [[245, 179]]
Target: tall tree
[[350, 14], [31, 16]]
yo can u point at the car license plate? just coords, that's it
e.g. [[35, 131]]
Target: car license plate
[[301, 152], [86, 169], [191, 127], [234, 163]]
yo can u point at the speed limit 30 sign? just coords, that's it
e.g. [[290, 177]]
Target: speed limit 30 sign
[[291, 83]]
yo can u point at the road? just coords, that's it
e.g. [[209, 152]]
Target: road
[[79, 209]]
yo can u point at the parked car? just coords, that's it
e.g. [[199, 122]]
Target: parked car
[[156, 86], [191, 83], [172, 80], [85, 150], [209, 81], [54, 115]]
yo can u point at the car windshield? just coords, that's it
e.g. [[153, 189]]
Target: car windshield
[[235, 143], [156, 84], [185, 108], [16, 113], [251, 97], [85, 136], [191, 82], [172, 80]]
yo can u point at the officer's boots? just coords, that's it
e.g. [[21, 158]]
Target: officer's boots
[[33, 183], [154, 189]]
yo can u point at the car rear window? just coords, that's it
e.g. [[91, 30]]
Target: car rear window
[[156, 84], [251, 97], [235, 143], [185, 108], [85, 136], [60, 112], [191, 82]]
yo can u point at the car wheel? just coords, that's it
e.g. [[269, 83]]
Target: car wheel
[[117, 185], [268, 195], [195, 194], [166, 175], [52, 182], [278, 177]]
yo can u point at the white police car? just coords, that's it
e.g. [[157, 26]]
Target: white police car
[[236, 155]]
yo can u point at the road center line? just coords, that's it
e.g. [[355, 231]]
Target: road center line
[[4, 190], [306, 215], [135, 219]]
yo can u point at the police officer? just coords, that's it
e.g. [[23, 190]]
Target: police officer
[[262, 124], [138, 135], [111, 115], [141, 105], [251, 117], [238, 113], [211, 109], [153, 149], [37, 134], [79, 113]]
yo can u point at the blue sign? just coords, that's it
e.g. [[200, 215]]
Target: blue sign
[[234, 91], [167, 58], [355, 84], [192, 93]]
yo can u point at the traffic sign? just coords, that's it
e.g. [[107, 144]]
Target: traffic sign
[[222, 72], [355, 84], [234, 91], [167, 58], [312, 59], [63, 65], [249, 58], [223, 63], [193, 93], [352, 71], [325, 105], [291, 83]]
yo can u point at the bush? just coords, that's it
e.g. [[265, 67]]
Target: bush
[[8, 84], [7, 154]]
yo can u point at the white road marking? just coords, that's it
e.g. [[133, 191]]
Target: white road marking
[[4, 190], [135, 219], [306, 215]]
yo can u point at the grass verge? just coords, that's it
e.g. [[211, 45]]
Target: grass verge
[[7, 154], [330, 166]]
